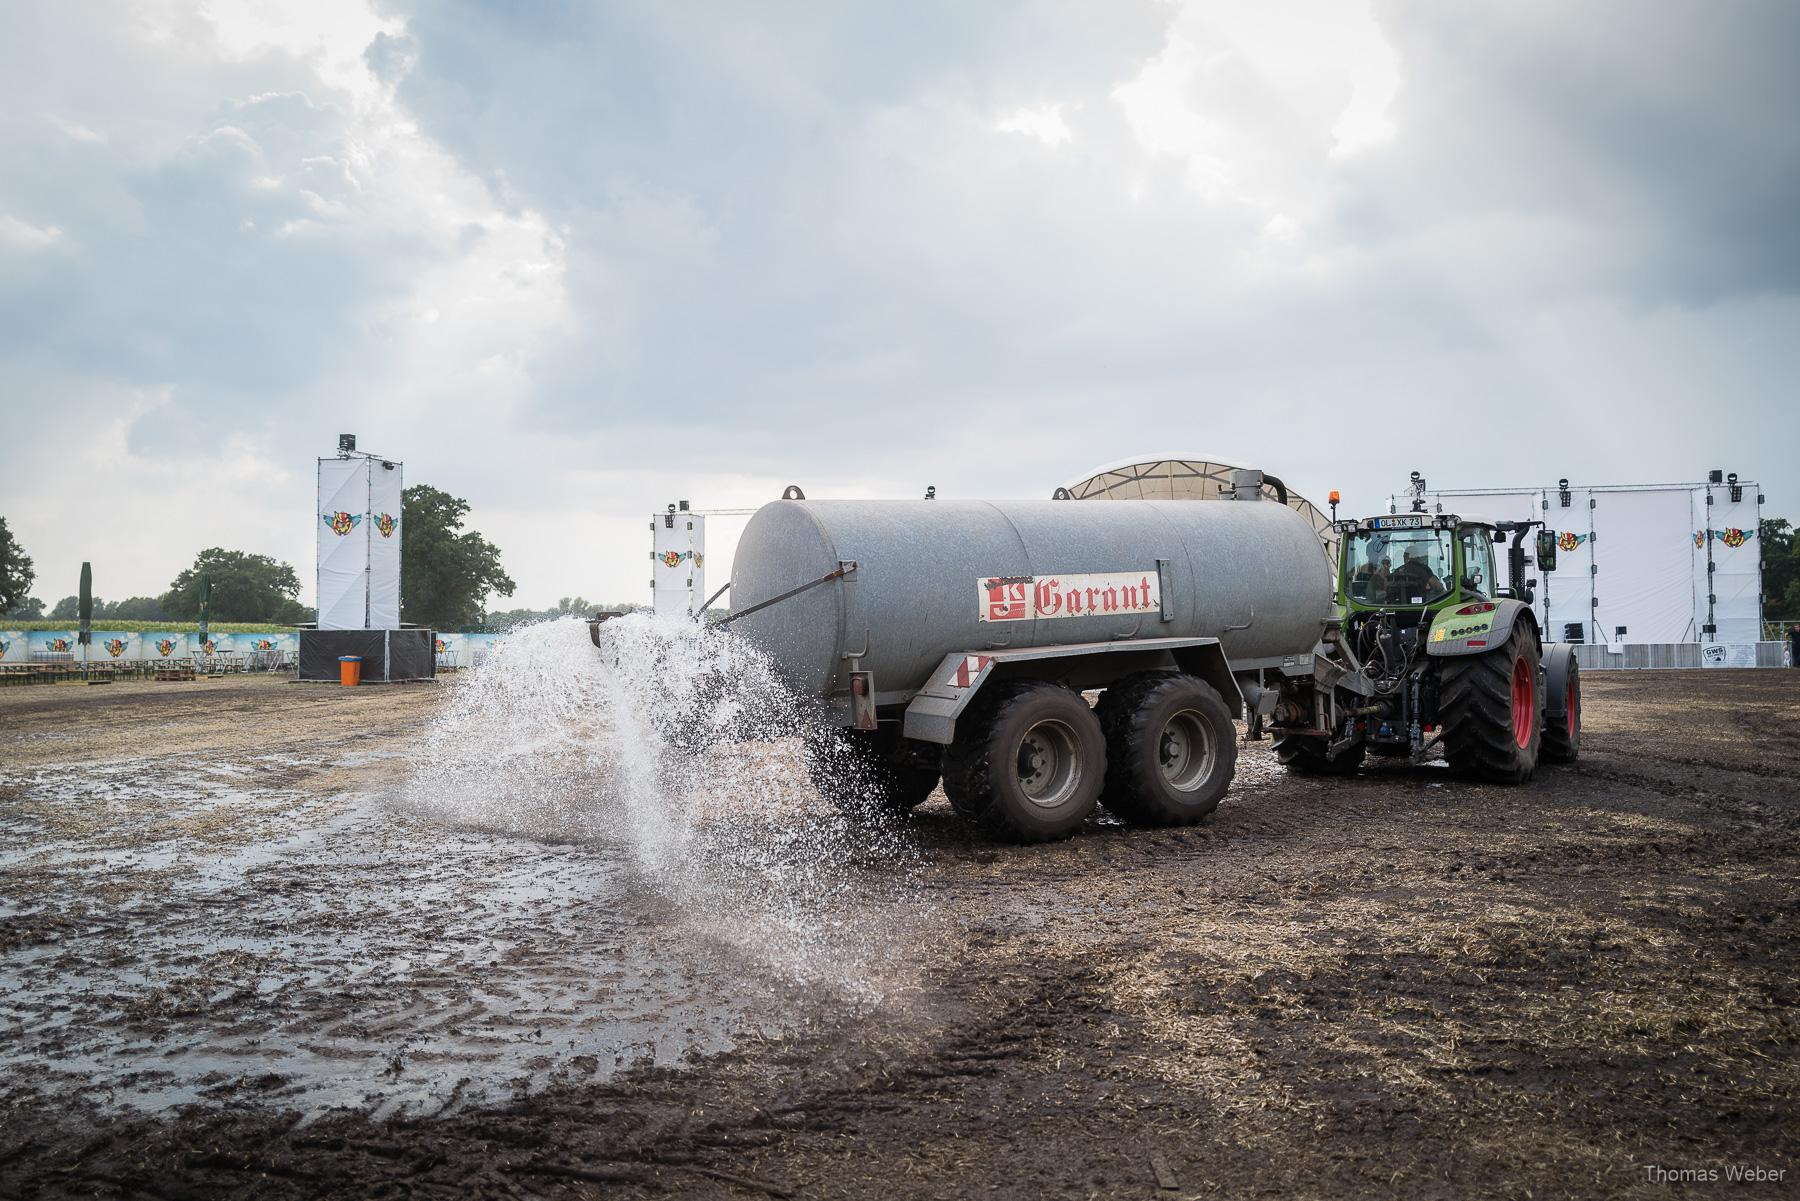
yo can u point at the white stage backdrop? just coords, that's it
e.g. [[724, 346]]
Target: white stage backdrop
[[343, 544], [359, 544], [1731, 531], [384, 544], [1646, 568], [1637, 557]]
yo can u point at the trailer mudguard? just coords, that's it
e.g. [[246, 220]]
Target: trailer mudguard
[[931, 715], [1558, 656], [1476, 627]]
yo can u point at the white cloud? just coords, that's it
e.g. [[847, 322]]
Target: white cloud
[[22, 235], [1257, 100], [1043, 122], [74, 130]]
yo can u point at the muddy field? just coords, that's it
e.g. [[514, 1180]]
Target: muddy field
[[236, 960]]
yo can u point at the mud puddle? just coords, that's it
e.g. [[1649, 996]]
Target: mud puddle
[[175, 934]]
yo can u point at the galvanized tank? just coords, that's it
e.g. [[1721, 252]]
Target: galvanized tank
[[1246, 572]]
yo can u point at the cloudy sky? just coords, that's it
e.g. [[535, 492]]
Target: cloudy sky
[[573, 261]]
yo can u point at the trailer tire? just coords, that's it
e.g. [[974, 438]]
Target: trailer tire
[[1491, 711], [1029, 765], [863, 770], [1305, 755], [1562, 731], [1171, 749]]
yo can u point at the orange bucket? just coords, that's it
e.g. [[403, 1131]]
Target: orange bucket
[[350, 670]]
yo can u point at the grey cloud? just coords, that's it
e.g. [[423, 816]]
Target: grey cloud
[[789, 242], [1665, 131], [207, 249]]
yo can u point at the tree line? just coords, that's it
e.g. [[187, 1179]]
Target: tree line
[[447, 575]]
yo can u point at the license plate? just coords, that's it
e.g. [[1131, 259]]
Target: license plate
[[1413, 522]]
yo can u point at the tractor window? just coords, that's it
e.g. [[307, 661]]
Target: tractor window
[[1398, 567], [1478, 560]]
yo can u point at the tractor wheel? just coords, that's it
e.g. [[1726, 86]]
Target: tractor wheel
[[1171, 749], [1029, 765], [867, 769], [1491, 712], [1305, 755], [1562, 735]]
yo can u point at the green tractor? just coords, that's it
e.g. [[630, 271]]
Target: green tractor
[[1427, 651]]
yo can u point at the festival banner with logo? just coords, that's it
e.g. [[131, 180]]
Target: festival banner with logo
[[678, 562], [385, 486], [343, 528], [1728, 541]]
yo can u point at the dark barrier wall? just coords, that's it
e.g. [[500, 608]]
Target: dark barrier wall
[[387, 655], [411, 655]]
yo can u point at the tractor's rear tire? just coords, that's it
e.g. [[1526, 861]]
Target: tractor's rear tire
[[1028, 765], [867, 770], [1491, 712], [1171, 749], [1306, 756], [1562, 734]]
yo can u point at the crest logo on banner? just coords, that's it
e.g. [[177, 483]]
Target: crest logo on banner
[[208, 645], [387, 523], [341, 523], [1732, 537], [262, 644], [3, 646], [56, 646], [441, 647], [1569, 541], [164, 646], [671, 558], [114, 646]]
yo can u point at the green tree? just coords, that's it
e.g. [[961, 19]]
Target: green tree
[[505, 619], [28, 608], [135, 608], [1780, 569], [16, 571], [245, 587], [446, 573], [69, 608]]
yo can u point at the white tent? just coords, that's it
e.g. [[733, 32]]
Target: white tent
[[1187, 477]]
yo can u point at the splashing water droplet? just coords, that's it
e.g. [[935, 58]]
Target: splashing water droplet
[[677, 748]]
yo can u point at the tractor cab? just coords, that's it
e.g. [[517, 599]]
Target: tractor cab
[[1416, 563]]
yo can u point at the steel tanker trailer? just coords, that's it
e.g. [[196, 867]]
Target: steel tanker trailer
[[955, 640]]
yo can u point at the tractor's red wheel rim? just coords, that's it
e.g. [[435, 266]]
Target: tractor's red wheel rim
[[1570, 703], [1524, 698]]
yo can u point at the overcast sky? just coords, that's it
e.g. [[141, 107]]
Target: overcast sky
[[574, 261]]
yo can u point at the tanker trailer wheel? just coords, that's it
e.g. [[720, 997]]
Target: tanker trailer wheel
[[1171, 749], [1305, 755], [1029, 766], [1562, 734], [863, 770], [1491, 712]]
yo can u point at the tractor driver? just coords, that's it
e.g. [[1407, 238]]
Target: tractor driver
[[1414, 577]]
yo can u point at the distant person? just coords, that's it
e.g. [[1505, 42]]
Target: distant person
[[1794, 646]]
